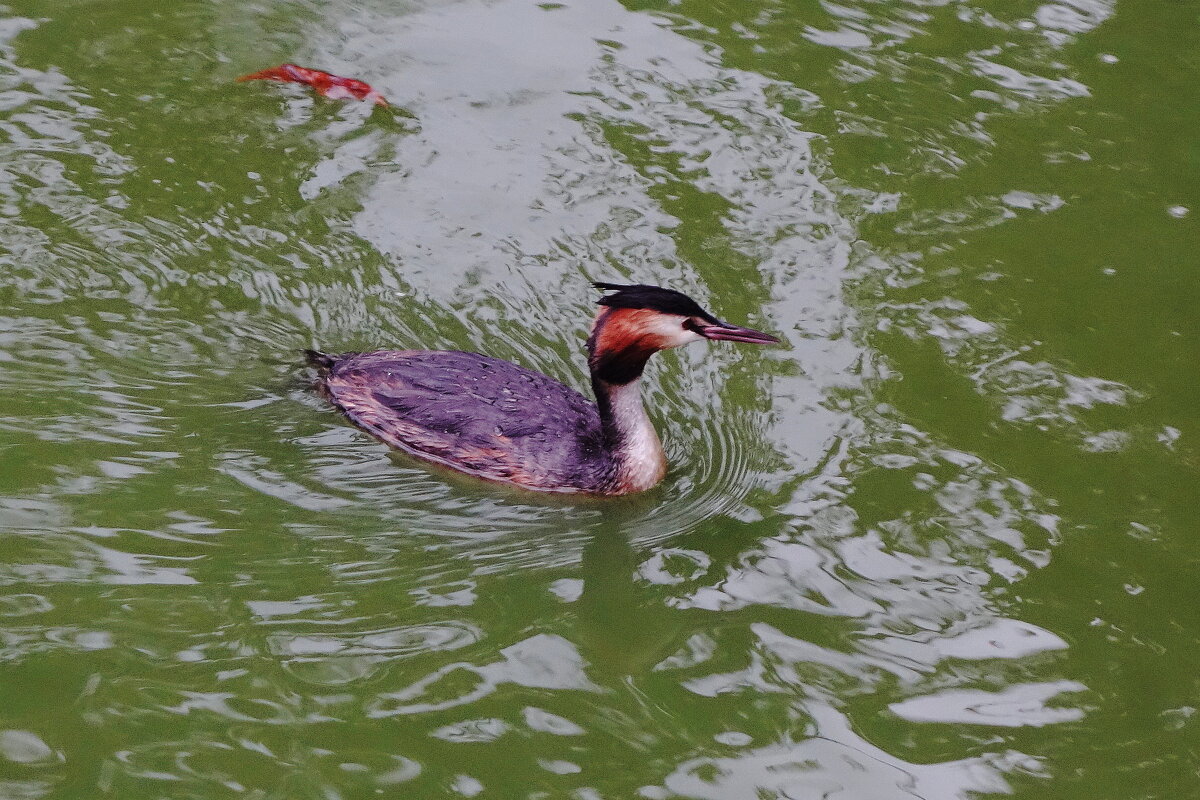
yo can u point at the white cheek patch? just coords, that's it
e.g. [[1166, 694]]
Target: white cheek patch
[[671, 332]]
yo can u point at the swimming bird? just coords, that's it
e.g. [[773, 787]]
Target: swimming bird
[[499, 421]]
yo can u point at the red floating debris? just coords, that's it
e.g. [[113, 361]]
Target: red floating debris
[[324, 83]]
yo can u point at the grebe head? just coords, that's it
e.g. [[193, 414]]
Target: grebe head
[[637, 321]]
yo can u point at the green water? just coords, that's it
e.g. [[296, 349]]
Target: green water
[[942, 545]]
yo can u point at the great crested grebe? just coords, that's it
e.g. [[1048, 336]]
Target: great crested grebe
[[496, 420]]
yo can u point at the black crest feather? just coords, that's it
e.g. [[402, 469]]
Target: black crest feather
[[641, 295]]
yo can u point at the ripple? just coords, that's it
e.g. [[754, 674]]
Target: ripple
[[998, 638], [1016, 706], [131, 700], [395, 642], [542, 661], [673, 566], [837, 763], [23, 747], [472, 730], [21, 605], [543, 721]]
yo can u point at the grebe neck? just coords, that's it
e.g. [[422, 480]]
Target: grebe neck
[[629, 434]]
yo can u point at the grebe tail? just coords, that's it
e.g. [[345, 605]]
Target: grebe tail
[[321, 361]]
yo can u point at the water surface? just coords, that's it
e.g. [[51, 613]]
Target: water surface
[[939, 546]]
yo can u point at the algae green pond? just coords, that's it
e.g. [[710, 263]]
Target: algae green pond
[[942, 544]]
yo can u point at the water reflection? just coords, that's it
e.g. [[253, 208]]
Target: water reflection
[[238, 592], [1016, 706], [835, 762]]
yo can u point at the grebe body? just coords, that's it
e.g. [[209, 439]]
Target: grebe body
[[499, 421]]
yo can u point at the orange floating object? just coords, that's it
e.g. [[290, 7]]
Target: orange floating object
[[325, 84]]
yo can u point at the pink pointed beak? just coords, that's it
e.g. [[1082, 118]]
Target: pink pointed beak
[[725, 332]]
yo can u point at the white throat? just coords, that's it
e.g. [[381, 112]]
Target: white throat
[[639, 454]]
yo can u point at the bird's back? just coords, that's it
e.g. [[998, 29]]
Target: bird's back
[[477, 414]]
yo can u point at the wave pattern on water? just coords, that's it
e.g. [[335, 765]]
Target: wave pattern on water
[[240, 594]]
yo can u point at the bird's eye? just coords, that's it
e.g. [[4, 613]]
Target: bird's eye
[[689, 324]]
